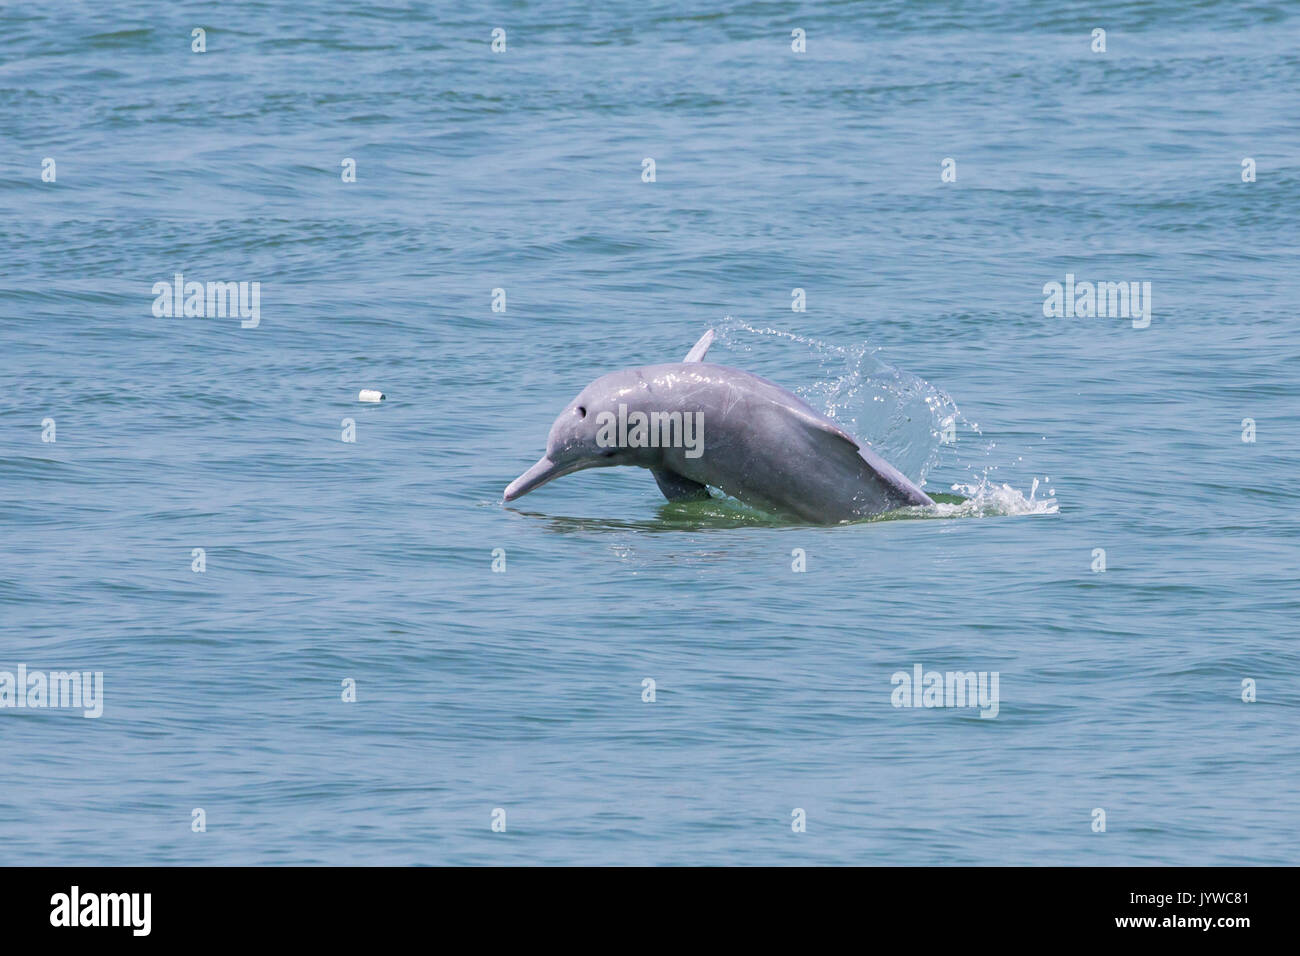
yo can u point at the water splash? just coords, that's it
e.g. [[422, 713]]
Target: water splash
[[913, 424], [987, 498]]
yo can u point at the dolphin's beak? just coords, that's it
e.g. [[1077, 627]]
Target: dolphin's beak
[[545, 470]]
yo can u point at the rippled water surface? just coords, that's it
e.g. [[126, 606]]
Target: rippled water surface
[[372, 561]]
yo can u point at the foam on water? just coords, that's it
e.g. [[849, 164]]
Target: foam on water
[[987, 498]]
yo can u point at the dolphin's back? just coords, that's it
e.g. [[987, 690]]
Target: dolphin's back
[[767, 446]]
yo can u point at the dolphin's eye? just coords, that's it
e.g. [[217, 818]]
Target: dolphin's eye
[[582, 412]]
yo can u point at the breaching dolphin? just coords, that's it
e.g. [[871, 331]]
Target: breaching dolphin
[[695, 424]]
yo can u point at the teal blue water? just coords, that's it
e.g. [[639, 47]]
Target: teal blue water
[[371, 561]]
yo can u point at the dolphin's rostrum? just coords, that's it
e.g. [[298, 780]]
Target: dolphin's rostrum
[[757, 442]]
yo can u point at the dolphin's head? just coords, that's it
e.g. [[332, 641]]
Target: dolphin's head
[[576, 441]]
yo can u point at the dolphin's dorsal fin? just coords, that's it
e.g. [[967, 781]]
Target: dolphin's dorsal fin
[[696, 354]]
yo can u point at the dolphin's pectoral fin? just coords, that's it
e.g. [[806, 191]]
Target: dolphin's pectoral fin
[[696, 354], [677, 488]]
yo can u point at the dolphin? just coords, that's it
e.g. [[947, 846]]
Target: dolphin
[[696, 425]]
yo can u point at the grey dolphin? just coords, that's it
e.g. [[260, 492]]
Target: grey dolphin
[[756, 442]]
